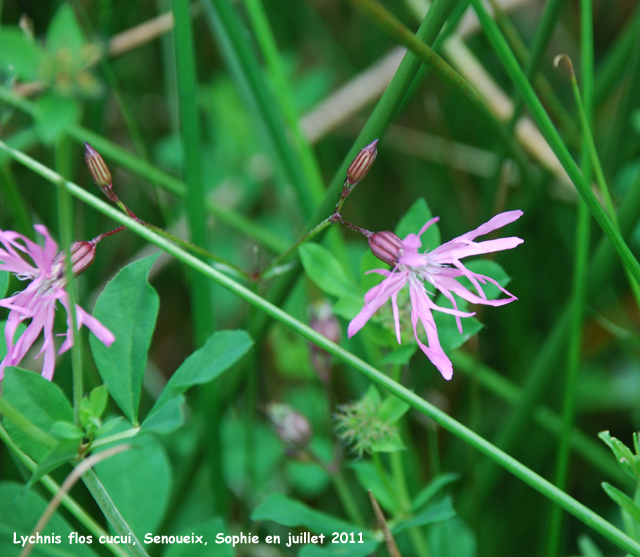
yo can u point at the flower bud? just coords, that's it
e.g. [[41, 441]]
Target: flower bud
[[82, 256], [291, 426], [362, 163], [324, 322], [99, 171], [386, 246]]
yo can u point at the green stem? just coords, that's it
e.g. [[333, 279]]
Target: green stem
[[513, 466], [428, 56], [109, 439], [308, 236], [553, 138], [583, 444], [203, 319], [111, 512], [67, 502], [65, 222], [170, 183]]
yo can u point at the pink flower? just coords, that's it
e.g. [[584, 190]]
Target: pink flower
[[439, 268], [38, 300]]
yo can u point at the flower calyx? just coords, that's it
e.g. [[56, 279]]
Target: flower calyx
[[386, 246]]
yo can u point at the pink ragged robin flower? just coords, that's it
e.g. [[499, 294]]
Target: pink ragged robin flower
[[38, 300], [440, 269]]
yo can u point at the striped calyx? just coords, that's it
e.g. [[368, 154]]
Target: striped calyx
[[386, 246], [362, 163], [99, 171]]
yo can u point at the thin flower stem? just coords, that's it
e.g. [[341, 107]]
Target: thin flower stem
[[383, 113], [104, 441], [146, 171], [68, 502], [545, 364], [65, 219], [293, 248], [553, 138], [111, 512], [513, 466], [584, 445]]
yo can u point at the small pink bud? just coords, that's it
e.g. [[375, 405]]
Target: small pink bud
[[291, 426], [361, 165], [82, 256], [386, 246], [324, 322], [99, 171]]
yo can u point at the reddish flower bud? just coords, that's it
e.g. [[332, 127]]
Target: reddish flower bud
[[291, 426], [386, 246], [99, 171], [362, 163], [82, 256]]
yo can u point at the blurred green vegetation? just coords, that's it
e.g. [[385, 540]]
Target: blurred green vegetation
[[265, 179]]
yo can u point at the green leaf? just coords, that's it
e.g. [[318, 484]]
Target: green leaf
[[437, 512], [208, 530], [128, 307], [348, 306], [92, 408], [280, 509], [623, 501], [452, 538], [413, 221], [54, 114], [326, 271], [19, 53], [64, 31], [4, 285], [139, 482], [39, 403], [166, 419], [66, 430], [625, 458], [19, 512], [222, 350], [393, 409], [368, 547], [64, 451], [440, 481], [399, 356]]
